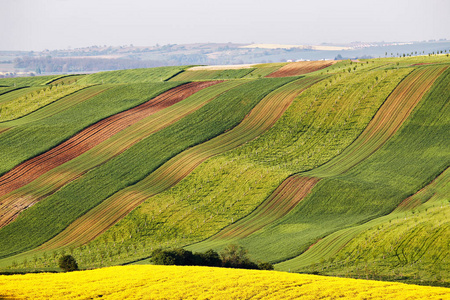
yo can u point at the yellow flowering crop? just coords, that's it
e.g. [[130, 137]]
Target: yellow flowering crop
[[183, 282]]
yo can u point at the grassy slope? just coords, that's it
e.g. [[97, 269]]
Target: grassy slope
[[131, 166], [384, 124], [187, 282], [28, 103], [410, 244], [383, 181], [61, 175], [59, 106], [211, 74], [28, 81], [131, 76], [265, 113], [19, 92], [223, 188], [23, 142]]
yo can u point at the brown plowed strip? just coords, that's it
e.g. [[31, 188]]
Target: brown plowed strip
[[385, 123], [280, 202], [301, 67], [92, 136]]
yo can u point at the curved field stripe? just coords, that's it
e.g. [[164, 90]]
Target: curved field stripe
[[301, 67], [27, 104], [15, 202], [92, 136], [331, 245], [132, 75], [8, 89], [373, 188], [189, 75], [28, 81], [69, 79], [80, 196], [18, 92], [279, 203], [54, 108], [385, 123], [110, 211]]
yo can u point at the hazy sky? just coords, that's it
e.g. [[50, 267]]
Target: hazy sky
[[58, 24]]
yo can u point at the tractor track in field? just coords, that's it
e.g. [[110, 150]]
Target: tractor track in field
[[91, 136]]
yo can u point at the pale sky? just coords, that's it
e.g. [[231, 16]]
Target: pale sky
[[58, 24]]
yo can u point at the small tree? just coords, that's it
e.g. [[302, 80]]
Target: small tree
[[68, 263], [234, 256]]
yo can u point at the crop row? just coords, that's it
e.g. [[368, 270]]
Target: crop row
[[28, 103], [80, 143], [26, 141], [59, 176], [300, 68], [411, 241], [211, 74], [78, 197], [11, 93], [132, 76], [227, 187], [262, 117], [28, 81], [58, 106], [384, 124], [383, 180]]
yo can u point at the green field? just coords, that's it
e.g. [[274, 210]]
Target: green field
[[223, 113], [23, 142], [342, 171], [131, 76]]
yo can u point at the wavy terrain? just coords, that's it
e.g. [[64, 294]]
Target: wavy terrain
[[384, 124], [262, 117], [82, 142], [57, 177], [332, 167], [78, 197]]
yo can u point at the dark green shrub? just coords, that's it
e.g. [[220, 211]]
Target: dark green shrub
[[68, 263]]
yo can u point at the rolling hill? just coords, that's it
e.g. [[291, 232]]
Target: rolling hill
[[331, 167]]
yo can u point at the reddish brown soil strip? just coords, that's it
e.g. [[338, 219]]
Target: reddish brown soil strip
[[4, 129], [92, 136], [280, 202], [424, 194], [301, 67]]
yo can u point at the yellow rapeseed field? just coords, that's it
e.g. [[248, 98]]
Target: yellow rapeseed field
[[179, 282]]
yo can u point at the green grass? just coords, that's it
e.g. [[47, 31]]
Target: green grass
[[68, 79], [257, 121], [28, 81], [23, 142], [30, 102], [55, 178], [58, 106], [132, 76], [212, 75], [407, 162], [229, 186], [50, 216], [411, 243], [18, 92], [7, 89]]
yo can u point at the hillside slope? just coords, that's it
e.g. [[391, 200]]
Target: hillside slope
[[332, 167]]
